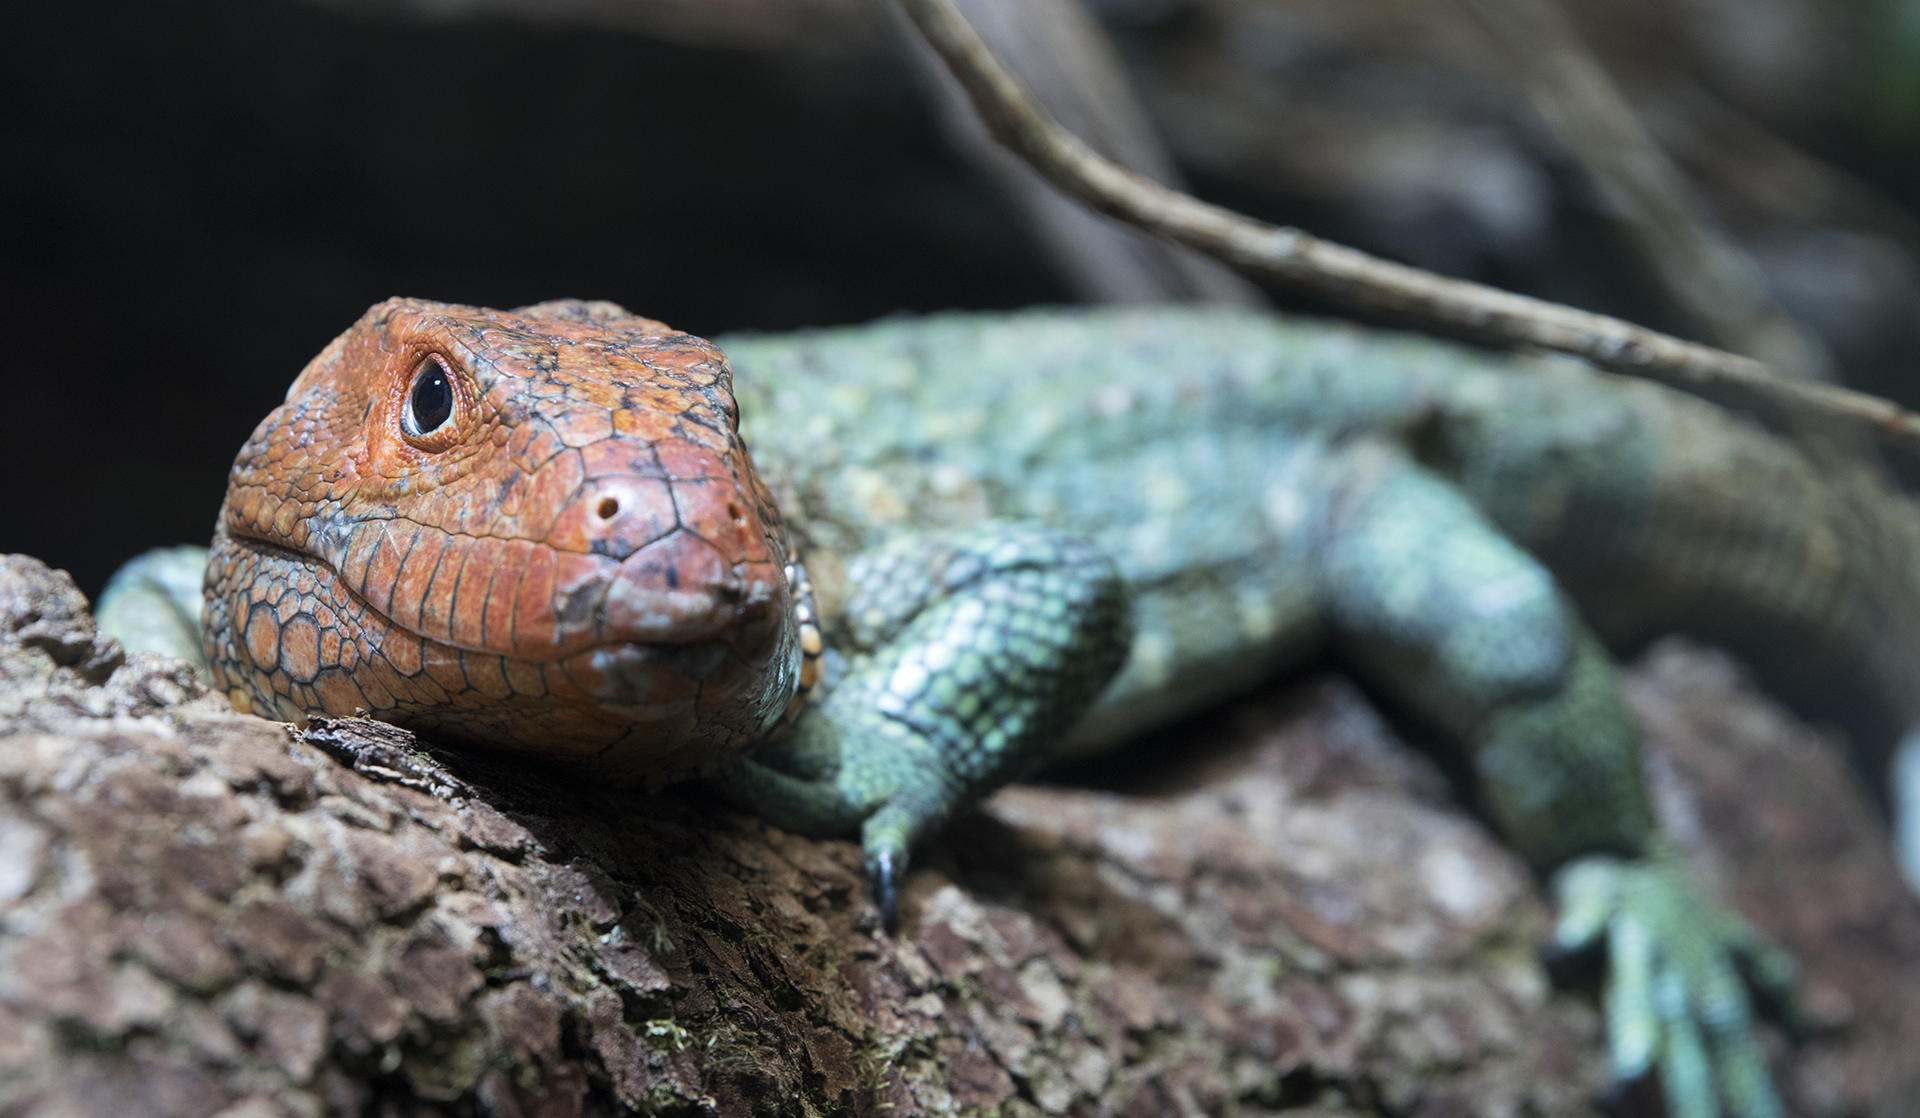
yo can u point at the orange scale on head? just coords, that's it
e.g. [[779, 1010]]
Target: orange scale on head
[[615, 516], [535, 633], [342, 598], [510, 504], [300, 648], [410, 587], [401, 649], [594, 392], [285, 514], [716, 511], [467, 700], [479, 559], [533, 445], [445, 666], [378, 698], [339, 695], [426, 691], [683, 459], [684, 355], [509, 571], [263, 636], [557, 684], [261, 586], [664, 397], [436, 605], [473, 509], [389, 677], [525, 677], [641, 423], [362, 542], [547, 494], [617, 457], [243, 502], [485, 675], [383, 569], [583, 424]]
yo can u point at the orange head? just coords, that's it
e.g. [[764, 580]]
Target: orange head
[[536, 529]]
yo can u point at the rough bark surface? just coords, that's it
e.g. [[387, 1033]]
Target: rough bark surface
[[205, 913]]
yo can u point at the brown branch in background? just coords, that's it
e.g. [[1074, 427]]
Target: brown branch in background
[[1065, 61], [1354, 278], [1711, 278]]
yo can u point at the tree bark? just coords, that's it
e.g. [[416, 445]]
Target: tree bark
[[204, 913]]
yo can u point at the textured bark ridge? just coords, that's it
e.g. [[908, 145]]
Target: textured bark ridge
[[204, 913]]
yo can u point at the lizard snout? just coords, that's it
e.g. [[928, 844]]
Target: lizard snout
[[616, 517], [676, 561], [681, 589]]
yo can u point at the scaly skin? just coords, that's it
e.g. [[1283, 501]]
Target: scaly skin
[[975, 498], [580, 563]]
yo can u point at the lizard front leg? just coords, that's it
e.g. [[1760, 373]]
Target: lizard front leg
[[972, 652], [1433, 604]]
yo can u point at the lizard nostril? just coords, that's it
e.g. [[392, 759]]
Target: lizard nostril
[[733, 510], [608, 508]]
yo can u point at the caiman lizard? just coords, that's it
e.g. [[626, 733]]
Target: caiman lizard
[[964, 544]]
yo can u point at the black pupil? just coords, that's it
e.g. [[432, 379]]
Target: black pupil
[[432, 398]]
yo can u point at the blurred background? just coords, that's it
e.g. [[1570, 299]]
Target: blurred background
[[195, 195]]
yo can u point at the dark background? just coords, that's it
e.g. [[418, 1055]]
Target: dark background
[[196, 196]]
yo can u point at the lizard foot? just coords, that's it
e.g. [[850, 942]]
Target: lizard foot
[[881, 781], [1674, 997], [969, 654]]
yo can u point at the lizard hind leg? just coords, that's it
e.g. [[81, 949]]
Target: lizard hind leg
[[1426, 597], [970, 653], [1429, 601]]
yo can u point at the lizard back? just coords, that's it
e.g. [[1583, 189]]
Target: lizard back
[[1201, 448]]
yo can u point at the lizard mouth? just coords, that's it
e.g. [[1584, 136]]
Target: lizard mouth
[[531, 602], [670, 685]]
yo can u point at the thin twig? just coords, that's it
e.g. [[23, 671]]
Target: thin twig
[[1353, 278], [1709, 275]]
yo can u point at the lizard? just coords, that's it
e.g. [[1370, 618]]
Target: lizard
[[964, 544]]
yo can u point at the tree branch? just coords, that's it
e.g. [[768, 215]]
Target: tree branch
[[1354, 278], [1708, 274]]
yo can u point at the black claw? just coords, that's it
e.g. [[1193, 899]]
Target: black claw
[[1585, 965], [886, 890], [1626, 1096]]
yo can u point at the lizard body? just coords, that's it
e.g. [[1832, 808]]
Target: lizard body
[[976, 497], [1203, 449]]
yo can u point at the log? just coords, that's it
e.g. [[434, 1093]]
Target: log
[[1277, 906]]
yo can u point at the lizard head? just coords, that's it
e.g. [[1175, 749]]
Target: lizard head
[[537, 529]]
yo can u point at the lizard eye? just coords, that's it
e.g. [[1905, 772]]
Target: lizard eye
[[429, 401]]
